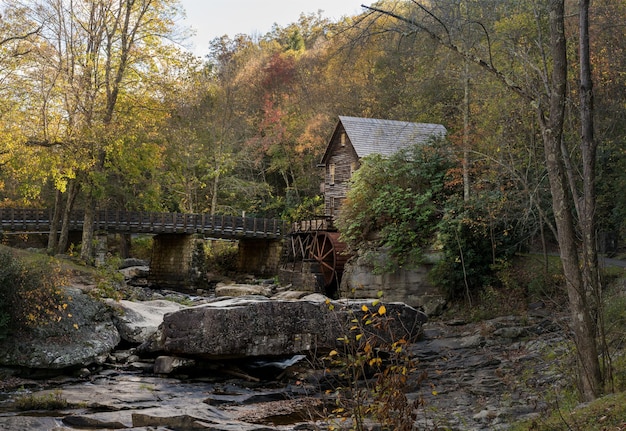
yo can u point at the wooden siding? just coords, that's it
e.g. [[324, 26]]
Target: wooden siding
[[342, 159]]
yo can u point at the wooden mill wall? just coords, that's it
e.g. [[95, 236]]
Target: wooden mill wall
[[343, 161]]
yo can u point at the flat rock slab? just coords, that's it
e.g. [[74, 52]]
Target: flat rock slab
[[238, 290], [127, 402], [240, 328], [14, 423], [137, 321]]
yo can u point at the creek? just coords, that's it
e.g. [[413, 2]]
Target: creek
[[469, 376]]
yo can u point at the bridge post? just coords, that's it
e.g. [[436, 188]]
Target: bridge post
[[259, 256], [171, 261]]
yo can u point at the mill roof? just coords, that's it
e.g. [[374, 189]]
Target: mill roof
[[385, 137]]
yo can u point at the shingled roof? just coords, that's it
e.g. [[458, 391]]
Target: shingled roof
[[386, 137]]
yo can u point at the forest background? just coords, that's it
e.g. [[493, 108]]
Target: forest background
[[103, 108], [124, 118]]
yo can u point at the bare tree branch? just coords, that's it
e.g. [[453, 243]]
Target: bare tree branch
[[448, 43]]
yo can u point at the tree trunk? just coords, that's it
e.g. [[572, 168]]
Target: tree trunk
[[214, 191], [552, 132], [125, 245], [53, 236], [72, 192], [86, 250], [588, 151], [466, 132]]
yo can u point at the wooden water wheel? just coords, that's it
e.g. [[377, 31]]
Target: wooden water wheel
[[329, 253]]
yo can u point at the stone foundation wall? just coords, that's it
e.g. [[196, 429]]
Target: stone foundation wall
[[409, 286], [300, 276], [170, 264]]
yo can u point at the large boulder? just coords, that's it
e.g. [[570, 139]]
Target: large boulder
[[252, 327], [87, 335], [137, 321]]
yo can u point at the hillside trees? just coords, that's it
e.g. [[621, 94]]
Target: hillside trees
[[547, 94], [91, 58]]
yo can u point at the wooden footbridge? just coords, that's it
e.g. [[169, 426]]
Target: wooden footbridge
[[26, 220], [174, 241]]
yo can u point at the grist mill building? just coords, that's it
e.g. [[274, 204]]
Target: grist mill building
[[355, 138]]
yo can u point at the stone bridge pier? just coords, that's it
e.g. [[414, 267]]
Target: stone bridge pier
[[260, 256], [171, 263]]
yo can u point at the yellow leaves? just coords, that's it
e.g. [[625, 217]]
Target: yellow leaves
[[364, 308], [382, 310], [375, 362], [75, 326], [330, 306], [345, 340], [333, 353]]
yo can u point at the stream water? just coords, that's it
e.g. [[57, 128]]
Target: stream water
[[216, 397]]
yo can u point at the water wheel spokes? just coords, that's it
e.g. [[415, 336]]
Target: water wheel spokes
[[323, 251]]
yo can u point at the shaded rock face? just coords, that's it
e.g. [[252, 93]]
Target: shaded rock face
[[239, 327], [411, 286], [85, 338], [243, 290]]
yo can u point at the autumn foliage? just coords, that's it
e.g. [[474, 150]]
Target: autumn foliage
[[31, 294]]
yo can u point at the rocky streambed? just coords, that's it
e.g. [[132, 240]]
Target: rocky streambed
[[476, 376], [469, 376]]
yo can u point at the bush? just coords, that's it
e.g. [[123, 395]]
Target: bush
[[30, 294], [397, 200], [109, 280], [141, 247], [374, 367], [476, 238]]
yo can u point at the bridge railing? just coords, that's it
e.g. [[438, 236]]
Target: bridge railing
[[220, 226]]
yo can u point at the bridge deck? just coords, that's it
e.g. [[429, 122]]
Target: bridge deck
[[226, 227]]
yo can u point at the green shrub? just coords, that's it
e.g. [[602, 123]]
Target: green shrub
[[397, 202], [30, 293], [141, 247], [109, 280], [476, 239], [309, 208]]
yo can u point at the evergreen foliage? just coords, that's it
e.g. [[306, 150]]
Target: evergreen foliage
[[397, 202], [475, 238]]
